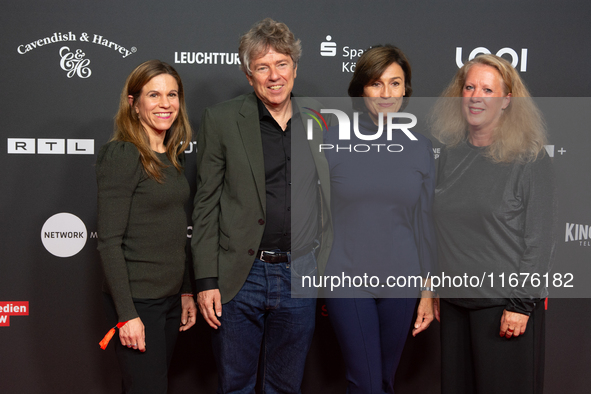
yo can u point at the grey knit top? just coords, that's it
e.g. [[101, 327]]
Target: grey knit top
[[142, 228]]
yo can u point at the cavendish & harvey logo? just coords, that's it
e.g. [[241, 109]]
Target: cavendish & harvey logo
[[74, 63], [72, 60]]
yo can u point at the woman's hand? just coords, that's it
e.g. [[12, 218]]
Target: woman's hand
[[425, 313], [132, 335], [513, 324], [189, 312]]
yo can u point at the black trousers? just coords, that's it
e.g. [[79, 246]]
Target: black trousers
[[147, 373], [476, 360]]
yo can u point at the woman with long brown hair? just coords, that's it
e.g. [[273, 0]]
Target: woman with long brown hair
[[142, 225]]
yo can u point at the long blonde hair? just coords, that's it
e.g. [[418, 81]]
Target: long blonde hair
[[520, 134], [129, 128]]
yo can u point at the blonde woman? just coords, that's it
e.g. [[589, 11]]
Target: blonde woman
[[493, 212]]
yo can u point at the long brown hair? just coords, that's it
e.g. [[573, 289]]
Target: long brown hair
[[129, 128]]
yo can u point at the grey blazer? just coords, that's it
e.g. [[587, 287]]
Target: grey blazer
[[229, 210]]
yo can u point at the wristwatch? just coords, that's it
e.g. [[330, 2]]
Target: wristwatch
[[428, 289]]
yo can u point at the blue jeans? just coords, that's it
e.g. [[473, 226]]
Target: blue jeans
[[264, 324]]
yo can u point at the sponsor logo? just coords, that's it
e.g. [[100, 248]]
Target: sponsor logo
[[580, 233], [206, 58], [94, 234], [74, 63], [192, 147], [64, 234], [56, 37], [436, 153], [12, 308], [550, 149], [330, 49], [50, 146], [515, 60], [72, 60], [345, 130]]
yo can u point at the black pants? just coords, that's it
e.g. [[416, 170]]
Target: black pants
[[476, 360], [147, 373]]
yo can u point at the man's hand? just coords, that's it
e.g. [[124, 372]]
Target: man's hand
[[210, 306]]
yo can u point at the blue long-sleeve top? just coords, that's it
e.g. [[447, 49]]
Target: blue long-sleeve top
[[381, 205]]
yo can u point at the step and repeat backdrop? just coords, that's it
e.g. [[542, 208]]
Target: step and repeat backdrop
[[63, 66]]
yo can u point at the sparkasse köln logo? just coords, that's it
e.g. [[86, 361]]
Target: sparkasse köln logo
[[329, 48]]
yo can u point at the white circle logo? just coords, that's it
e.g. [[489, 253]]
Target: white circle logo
[[63, 235]]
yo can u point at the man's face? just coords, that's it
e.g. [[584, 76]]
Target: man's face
[[272, 78]]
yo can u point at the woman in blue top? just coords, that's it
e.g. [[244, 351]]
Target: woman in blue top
[[381, 207]]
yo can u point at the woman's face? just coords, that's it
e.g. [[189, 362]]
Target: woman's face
[[158, 104], [385, 93], [484, 98]]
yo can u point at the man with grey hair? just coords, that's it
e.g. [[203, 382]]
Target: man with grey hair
[[249, 240]]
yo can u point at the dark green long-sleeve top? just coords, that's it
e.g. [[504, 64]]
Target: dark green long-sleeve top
[[142, 228]]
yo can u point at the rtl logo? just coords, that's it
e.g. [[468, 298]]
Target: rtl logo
[[503, 51], [55, 146]]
